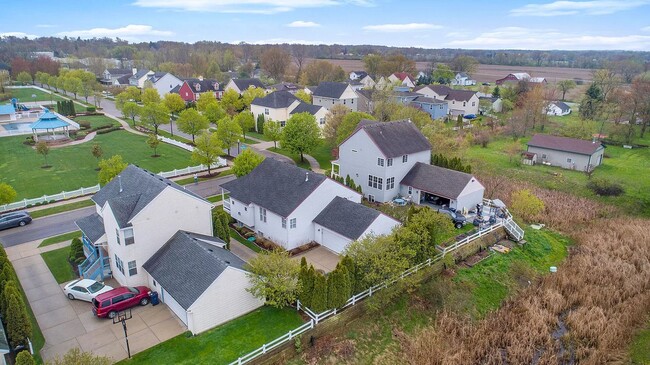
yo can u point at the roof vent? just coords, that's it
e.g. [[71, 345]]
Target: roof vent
[[306, 176], [119, 179], [210, 250], [227, 262]]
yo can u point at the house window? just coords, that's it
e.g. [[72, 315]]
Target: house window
[[473, 103], [119, 264], [405, 158], [282, 123], [544, 156], [371, 198], [390, 183], [389, 162], [263, 215], [128, 237], [375, 182], [133, 269], [292, 223], [569, 160], [284, 222], [410, 190], [117, 234], [343, 101], [322, 121], [464, 103], [380, 161], [266, 111]]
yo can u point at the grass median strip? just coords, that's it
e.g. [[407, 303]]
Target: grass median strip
[[60, 238], [57, 262], [61, 208]]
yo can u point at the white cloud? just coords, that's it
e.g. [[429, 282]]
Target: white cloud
[[595, 7], [303, 24], [45, 25], [245, 6], [549, 39], [18, 35], [129, 32], [646, 29], [395, 28]]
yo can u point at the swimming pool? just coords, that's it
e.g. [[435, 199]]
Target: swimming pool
[[17, 127]]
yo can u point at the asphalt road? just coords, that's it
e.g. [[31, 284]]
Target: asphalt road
[[64, 222]]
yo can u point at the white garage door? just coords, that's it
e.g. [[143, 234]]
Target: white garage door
[[173, 305], [334, 241]]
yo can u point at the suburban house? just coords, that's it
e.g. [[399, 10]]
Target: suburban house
[[358, 75], [569, 153], [241, 85], [402, 77], [392, 159], [139, 78], [361, 79], [191, 89], [558, 108], [437, 109], [163, 82], [280, 105], [328, 94], [364, 100], [462, 79], [286, 86], [292, 207], [460, 102], [520, 76], [488, 104], [117, 76], [202, 282], [147, 230]]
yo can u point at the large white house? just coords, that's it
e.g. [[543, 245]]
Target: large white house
[[292, 207], [164, 82], [463, 79], [558, 108], [241, 85], [460, 102], [328, 94], [392, 159], [139, 78], [147, 230], [280, 105]]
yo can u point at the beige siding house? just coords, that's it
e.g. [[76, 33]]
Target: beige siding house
[[568, 153]]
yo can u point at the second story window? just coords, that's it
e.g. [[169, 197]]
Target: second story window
[[380, 161], [375, 182], [117, 236], [263, 215], [405, 158], [389, 162], [292, 223], [128, 236], [390, 183], [266, 111], [284, 222]]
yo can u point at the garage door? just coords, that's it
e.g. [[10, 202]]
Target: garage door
[[173, 305], [334, 241]]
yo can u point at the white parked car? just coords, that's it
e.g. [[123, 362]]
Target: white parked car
[[85, 289]]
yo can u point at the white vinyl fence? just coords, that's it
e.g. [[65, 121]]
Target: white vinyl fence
[[176, 143], [93, 189], [318, 317]]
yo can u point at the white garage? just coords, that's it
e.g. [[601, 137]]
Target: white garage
[[202, 282]]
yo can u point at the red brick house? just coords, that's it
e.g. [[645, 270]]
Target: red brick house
[[191, 89]]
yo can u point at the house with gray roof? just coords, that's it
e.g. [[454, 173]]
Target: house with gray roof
[[462, 79], [200, 280], [280, 105], [117, 76], [328, 94], [379, 156], [281, 202], [568, 153], [241, 85], [164, 82], [140, 77], [135, 214], [460, 102], [558, 108]]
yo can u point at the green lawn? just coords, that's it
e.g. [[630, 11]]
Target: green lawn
[[222, 344], [234, 234], [24, 95], [74, 166], [97, 120], [322, 153], [216, 198], [60, 238], [190, 180], [296, 157], [258, 136], [169, 135], [59, 265], [61, 208], [640, 350]]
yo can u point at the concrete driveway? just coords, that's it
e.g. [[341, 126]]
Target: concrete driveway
[[322, 258], [70, 323]]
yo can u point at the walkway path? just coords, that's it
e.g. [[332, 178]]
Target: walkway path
[[315, 166], [241, 251], [89, 137]]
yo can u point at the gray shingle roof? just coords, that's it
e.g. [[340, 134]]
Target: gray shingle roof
[[424, 99], [346, 218], [562, 105], [574, 145], [204, 85], [329, 89], [176, 89], [243, 84], [140, 74], [277, 186], [92, 226], [124, 80], [187, 265], [120, 71], [306, 108], [396, 138], [139, 188], [276, 99], [437, 180], [449, 93]]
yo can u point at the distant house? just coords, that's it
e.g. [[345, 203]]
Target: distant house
[[488, 104], [437, 109], [328, 94], [285, 86], [191, 89], [117, 76], [358, 75], [362, 78], [402, 77], [520, 76], [462, 79], [280, 105], [164, 82], [139, 78], [569, 153], [241, 85], [460, 102], [364, 100], [292, 207], [558, 108], [367, 82]]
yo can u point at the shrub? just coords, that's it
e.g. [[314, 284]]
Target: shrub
[[526, 204], [19, 328], [84, 124], [319, 294], [604, 187], [77, 255], [24, 358], [91, 109], [112, 129]]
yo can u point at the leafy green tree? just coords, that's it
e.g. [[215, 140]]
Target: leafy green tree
[[496, 93], [9, 288], [7, 193], [76, 254], [306, 278], [372, 63], [591, 102], [43, 149], [231, 102], [259, 124], [443, 74], [273, 131], [250, 94], [245, 162], [206, 99], [24, 78], [228, 132], [339, 287], [72, 85], [301, 134], [24, 358], [246, 121], [153, 115], [19, 328], [352, 274], [526, 204], [207, 149], [565, 85], [302, 95], [153, 142], [319, 294], [174, 103], [86, 88], [274, 277], [131, 93], [333, 121], [349, 124], [192, 122], [430, 229], [151, 96], [221, 221], [111, 167], [214, 112], [77, 357], [131, 110]]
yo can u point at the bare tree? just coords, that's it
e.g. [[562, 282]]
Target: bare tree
[[275, 61], [299, 54], [606, 80]]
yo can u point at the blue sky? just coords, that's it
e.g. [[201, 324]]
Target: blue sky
[[500, 24]]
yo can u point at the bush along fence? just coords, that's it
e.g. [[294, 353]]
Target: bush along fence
[[45, 199], [316, 318]]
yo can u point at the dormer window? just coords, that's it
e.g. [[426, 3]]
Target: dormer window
[[197, 86]]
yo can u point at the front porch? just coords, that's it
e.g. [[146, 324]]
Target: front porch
[[97, 265]]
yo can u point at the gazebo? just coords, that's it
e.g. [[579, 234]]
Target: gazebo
[[49, 121]]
